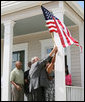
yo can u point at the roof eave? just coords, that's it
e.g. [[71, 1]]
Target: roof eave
[[77, 8]]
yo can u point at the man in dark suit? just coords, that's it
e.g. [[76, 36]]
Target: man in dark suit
[[36, 81], [26, 83]]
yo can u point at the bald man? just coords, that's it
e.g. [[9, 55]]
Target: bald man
[[17, 81]]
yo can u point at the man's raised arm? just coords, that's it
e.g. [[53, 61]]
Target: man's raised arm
[[47, 59], [55, 49]]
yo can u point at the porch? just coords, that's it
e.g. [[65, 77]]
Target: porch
[[74, 93], [36, 41]]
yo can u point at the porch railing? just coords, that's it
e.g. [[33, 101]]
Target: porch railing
[[74, 93]]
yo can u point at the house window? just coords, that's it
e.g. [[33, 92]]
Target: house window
[[49, 50], [18, 56]]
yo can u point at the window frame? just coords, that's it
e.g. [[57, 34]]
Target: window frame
[[20, 47]]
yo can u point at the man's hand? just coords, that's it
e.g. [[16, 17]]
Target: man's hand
[[56, 49], [18, 87]]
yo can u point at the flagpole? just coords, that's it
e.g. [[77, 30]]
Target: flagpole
[[40, 3], [53, 39], [51, 32]]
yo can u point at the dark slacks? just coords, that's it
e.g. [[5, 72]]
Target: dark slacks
[[37, 95]]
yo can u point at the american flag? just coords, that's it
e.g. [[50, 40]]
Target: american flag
[[55, 25]]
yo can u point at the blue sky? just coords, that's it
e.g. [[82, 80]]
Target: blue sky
[[81, 3]]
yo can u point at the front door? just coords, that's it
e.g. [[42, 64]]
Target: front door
[[18, 56]]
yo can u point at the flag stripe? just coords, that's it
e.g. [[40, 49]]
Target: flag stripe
[[64, 38], [50, 23], [60, 23], [52, 27], [72, 37], [53, 31], [68, 34], [60, 35], [68, 41], [65, 31], [49, 20]]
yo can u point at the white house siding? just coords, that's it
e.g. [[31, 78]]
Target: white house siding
[[34, 48], [75, 58]]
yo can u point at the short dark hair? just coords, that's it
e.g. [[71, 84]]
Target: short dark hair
[[66, 66], [29, 64]]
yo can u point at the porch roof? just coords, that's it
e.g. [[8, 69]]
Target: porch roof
[[32, 24], [13, 6]]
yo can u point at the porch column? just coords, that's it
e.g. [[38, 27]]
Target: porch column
[[60, 90], [7, 59], [81, 42]]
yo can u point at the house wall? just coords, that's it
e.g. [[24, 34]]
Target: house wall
[[75, 58], [34, 49]]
